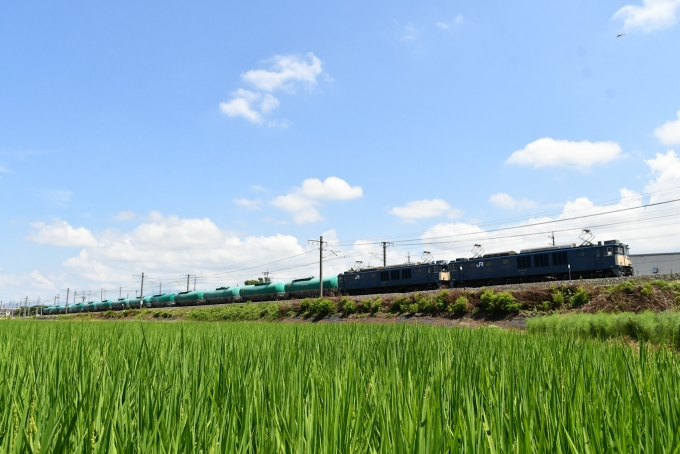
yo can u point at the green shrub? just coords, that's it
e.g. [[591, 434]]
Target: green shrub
[[647, 289], [365, 305], [424, 303], [661, 284], [460, 306], [622, 287], [323, 306], [558, 298], [412, 308], [440, 301], [305, 305], [501, 301], [581, 297], [348, 306], [487, 299], [400, 304], [375, 305], [544, 306]]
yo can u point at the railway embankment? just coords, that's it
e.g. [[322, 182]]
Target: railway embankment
[[507, 306]]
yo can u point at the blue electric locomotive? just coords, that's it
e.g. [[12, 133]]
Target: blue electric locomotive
[[407, 277], [604, 259]]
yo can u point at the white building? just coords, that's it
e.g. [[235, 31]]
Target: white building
[[650, 264]]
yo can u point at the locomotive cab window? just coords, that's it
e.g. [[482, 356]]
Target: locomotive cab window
[[610, 251]]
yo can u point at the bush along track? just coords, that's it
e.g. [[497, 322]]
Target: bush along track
[[478, 304]]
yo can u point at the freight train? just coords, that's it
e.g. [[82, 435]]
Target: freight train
[[604, 259]]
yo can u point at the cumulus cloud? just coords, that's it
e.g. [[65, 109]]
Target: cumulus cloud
[[669, 132], [547, 152], [666, 168], [645, 227], [162, 245], [60, 233], [247, 203], [249, 105], [302, 202], [652, 15], [286, 72], [507, 202], [421, 209]]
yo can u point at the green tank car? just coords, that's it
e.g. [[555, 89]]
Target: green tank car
[[118, 304], [265, 291], [223, 295], [194, 298], [162, 300], [103, 306], [309, 287]]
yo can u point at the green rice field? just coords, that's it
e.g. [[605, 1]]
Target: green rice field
[[320, 388]]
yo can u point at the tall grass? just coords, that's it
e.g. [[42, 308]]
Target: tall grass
[[657, 328], [200, 387]]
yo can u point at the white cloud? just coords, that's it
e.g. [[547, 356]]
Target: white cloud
[[286, 72], [669, 132], [652, 15], [302, 202], [258, 188], [40, 281], [420, 209], [446, 25], [124, 216], [247, 203], [645, 229], [60, 233], [547, 152], [666, 169], [249, 105], [409, 33], [169, 245], [507, 202]]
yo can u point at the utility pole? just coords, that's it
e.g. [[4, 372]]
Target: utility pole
[[320, 241], [188, 282], [552, 237], [385, 245], [266, 276], [101, 295], [194, 282], [141, 292]]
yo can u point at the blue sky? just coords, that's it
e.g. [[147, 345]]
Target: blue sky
[[206, 138]]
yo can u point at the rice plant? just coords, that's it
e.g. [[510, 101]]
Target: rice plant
[[351, 388]]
